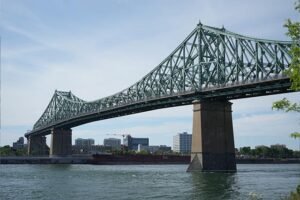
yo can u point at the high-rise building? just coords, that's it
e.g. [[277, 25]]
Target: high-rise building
[[132, 143], [112, 142], [19, 144], [84, 142], [182, 143]]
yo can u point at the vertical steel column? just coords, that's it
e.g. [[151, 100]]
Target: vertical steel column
[[200, 56]]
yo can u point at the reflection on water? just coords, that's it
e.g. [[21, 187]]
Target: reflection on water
[[213, 185]]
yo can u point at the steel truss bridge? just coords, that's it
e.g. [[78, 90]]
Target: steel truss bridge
[[211, 63]]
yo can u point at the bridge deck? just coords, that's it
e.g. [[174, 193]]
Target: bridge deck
[[234, 91]]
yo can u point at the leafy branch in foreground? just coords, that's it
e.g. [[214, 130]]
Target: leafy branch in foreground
[[295, 135], [294, 33], [294, 195], [286, 105], [294, 69]]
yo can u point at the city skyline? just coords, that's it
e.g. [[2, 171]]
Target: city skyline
[[122, 141], [76, 50]]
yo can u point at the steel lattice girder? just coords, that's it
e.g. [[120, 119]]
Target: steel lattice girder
[[209, 59]]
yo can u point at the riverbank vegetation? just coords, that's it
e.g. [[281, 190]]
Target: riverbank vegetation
[[9, 151], [274, 151]]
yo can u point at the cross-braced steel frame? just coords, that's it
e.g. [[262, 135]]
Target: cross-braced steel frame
[[210, 63]]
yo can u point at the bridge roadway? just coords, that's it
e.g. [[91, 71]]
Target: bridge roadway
[[236, 91], [211, 65]]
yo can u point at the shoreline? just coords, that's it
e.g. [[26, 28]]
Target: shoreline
[[128, 160]]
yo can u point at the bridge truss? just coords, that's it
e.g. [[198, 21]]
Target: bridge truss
[[210, 63]]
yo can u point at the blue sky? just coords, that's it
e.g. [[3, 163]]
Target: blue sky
[[97, 48]]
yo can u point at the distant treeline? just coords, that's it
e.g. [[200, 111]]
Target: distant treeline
[[274, 151], [9, 151]]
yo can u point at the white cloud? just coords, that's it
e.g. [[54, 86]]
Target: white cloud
[[266, 124], [258, 105], [95, 61]]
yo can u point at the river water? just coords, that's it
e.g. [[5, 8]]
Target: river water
[[145, 182]]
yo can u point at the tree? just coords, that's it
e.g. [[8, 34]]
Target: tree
[[294, 195], [9, 151], [286, 106], [295, 135], [262, 151], [143, 152], [294, 33], [294, 73], [245, 150], [294, 69]]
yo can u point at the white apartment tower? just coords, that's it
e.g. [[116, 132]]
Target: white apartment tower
[[182, 142]]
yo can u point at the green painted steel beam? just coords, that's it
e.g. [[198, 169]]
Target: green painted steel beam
[[209, 59]]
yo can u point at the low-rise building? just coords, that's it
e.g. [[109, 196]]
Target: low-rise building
[[83, 146], [84, 142], [165, 148], [132, 143], [114, 143]]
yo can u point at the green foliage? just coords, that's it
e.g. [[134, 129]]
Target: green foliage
[[129, 152], [6, 151], [9, 151], [245, 150], [293, 30], [295, 135], [264, 152], [294, 73], [296, 154], [117, 151], [294, 195], [269, 152], [294, 69], [286, 105], [21, 152], [294, 33], [143, 152]]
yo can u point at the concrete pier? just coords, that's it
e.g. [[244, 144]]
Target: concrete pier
[[212, 140], [61, 143], [37, 146]]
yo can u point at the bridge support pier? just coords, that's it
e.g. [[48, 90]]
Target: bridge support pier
[[61, 142], [37, 146], [212, 139]]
